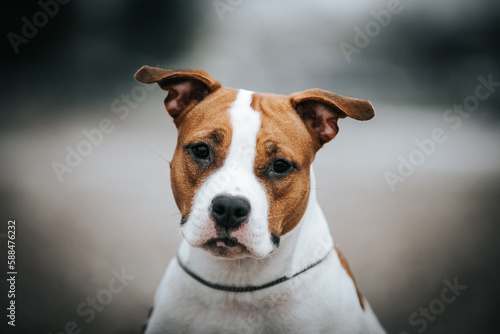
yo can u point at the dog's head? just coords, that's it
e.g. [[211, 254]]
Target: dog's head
[[240, 171]]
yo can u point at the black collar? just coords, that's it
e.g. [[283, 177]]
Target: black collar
[[244, 288]]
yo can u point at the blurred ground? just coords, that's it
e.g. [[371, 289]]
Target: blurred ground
[[115, 213]]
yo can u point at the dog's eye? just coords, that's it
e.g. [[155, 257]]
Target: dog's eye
[[201, 151], [281, 166]]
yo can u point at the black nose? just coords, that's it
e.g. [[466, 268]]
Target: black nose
[[230, 211]]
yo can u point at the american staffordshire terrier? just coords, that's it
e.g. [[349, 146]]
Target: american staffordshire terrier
[[257, 255]]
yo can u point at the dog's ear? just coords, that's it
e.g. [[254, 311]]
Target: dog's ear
[[185, 87], [320, 111]]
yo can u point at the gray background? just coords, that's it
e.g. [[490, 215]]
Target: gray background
[[115, 210]]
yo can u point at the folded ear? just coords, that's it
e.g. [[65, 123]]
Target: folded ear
[[321, 110], [186, 87]]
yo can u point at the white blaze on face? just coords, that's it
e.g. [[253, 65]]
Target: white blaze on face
[[236, 177]]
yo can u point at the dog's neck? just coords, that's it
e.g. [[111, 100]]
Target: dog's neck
[[309, 242]]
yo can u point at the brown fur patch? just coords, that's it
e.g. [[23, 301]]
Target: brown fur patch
[[208, 122], [344, 264], [283, 135]]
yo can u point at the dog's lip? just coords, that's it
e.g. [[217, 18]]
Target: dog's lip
[[226, 247], [224, 242]]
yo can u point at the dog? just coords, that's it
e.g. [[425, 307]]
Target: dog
[[257, 255]]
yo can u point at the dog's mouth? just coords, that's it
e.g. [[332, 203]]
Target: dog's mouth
[[227, 247]]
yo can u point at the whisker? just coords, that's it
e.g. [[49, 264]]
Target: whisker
[[158, 154], [172, 215], [271, 256]]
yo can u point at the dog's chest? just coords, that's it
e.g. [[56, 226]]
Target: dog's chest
[[309, 303]]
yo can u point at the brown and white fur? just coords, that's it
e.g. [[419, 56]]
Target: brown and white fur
[[242, 179]]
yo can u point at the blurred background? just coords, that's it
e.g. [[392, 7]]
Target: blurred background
[[410, 212]]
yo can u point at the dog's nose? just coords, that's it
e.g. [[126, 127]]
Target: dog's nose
[[230, 211]]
